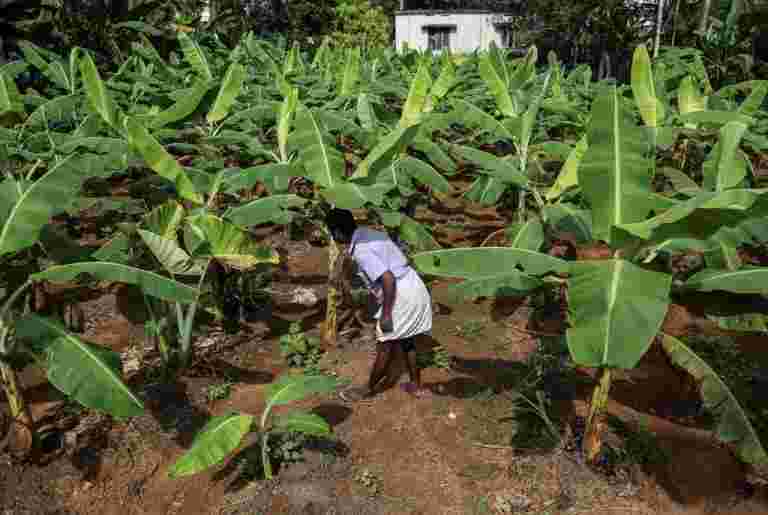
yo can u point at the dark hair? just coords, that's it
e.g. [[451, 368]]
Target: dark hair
[[341, 224]]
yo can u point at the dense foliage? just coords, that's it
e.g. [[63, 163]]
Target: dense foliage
[[215, 142]]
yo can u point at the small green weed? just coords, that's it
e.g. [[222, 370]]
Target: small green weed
[[470, 329], [299, 350], [219, 391], [437, 357], [480, 505], [370, 481], [640, 447], [283, 448]]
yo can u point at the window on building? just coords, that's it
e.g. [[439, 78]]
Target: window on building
[[439, 38]]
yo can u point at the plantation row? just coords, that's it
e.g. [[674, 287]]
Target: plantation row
[[658, 168]]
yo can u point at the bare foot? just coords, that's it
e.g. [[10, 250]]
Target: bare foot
[[357, 394], [415, 391]]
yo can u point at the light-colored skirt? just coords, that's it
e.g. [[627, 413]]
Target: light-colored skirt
[[412, 312]]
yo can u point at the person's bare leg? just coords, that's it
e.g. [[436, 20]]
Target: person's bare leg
[[381, 365], [413, 370], [409, 349]]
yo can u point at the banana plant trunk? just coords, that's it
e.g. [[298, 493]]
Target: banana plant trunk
[[596, 420], [334, 271], [21, 431]]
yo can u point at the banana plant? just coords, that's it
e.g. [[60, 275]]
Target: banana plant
[[617, 305], [88, 373], [223, 434], [207, 236], [207, 239], [519, 108], [61, 73]]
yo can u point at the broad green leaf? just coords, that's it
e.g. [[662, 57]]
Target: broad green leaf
[[417, 235], [322, 161], [88, 373], [715, 117], [98, 96], [220, 436], [151, 283], [496, 84], [525, 71], [445, 81], [615, 174], [183, 107], [230, 244], [701, 216], [26, 212], [294, 387], [423, 173], [486, 191], [470, 115], [303, 422], [165, 219], [291, 59], [387, 147], [54, 71], [615, 311], [348, 195], [509, 284], [501, 169], [263, 210], [161, 161], [170, 254], [113, 146], [651, 109], [365, 112], [567, 219], [557, 76], [284, 120], [195, 57], [248, 178], [724, 254], [484, 262], [74, 57], [733, 422], [351, 74], [528, 119], [681, 182], [569, 173], [10, 100], [322, 53], [689, 99], [230, 88], [54, 110], [752, 104], [435, 153], [14, 68], [116, 250], [747, 279], [528, 235], [417, 98], [725, 169]]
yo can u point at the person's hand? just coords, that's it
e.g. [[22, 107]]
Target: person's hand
[[386, 324]]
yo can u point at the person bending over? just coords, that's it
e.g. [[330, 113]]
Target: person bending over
[[404, 306]]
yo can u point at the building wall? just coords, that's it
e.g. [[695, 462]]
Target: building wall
[[474, 30]]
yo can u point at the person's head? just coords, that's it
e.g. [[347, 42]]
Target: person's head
[[342, 225]]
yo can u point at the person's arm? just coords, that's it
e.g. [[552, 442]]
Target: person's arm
[[388, 302]]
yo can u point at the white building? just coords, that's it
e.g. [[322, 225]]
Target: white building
[[457, 30]]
